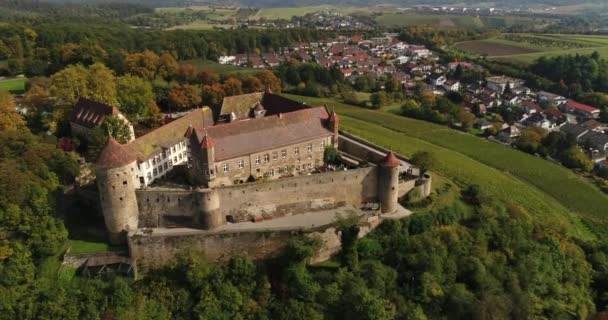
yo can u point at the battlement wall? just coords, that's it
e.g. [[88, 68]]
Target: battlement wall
[[190, 208]]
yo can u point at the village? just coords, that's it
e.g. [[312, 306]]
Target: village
[[416, 67]]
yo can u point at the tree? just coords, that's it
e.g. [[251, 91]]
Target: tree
[[186, 73], [9, 119], [143, 64], [101, 84], [207, 77], [575, 158], [213, 94], [379, 99], [134, 96], [118, 128], [424, 160], [232, 86], [167, 66], [69, 84], [252, 84], [530, 140], [184, 97], [466, 119], [269, 80]]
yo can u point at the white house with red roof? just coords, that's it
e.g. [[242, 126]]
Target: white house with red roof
[[582, 109]]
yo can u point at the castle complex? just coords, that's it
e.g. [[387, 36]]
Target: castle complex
[[257, 157]]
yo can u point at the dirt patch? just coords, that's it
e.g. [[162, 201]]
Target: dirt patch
[[492, 48]]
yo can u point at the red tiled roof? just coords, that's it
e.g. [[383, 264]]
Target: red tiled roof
[[89, 113], [207, 142], [115, 155], [390, 161], [580, 106], [249, 136]]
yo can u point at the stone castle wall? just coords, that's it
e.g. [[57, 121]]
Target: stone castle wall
[[175, 207]]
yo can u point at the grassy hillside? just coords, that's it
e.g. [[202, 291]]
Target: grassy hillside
[[549, 191]]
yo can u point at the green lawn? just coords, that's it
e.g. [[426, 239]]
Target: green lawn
[[547, 190], [81, 246], [14, 86]]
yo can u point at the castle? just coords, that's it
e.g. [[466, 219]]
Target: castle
[[257, 157]]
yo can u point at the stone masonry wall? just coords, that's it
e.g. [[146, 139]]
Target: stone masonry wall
[[174, 207]]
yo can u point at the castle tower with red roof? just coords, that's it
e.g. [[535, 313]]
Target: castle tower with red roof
[[388, 183], [116, 169]]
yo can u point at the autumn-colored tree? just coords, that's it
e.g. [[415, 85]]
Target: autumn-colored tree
[[466, 119], [167, 66], [184, 97], [134, 96], [186, 73], [213, 94], [207, 77], [252, 84], [233, 86], [143, 64], [69, 84], [101, 84], [269, 80], [9, 119]]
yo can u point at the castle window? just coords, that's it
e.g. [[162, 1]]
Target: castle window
[[241, 164], [172, 150], [309, 147], [180, 156], [275, 156], [226, 168], [283, 154], [124, 182], [120, 198], [266, 157], [149, 176], [296, 151], [175, 159], [257, 159], [163, 155], [165, 166], [271, 172], [322, 145], [155, 172], [170, 162], [154, 161], [147, 165]]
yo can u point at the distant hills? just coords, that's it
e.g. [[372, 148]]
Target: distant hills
[[301, 3]]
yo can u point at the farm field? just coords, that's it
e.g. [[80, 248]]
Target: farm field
[[494, 47], [14, 86], [218, 68], [547, 190], [464, 21], [527, 48], [287, 13]]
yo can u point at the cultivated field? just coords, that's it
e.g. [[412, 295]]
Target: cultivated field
[[547, 190], [527, 48], [14, 86], [464, 21]]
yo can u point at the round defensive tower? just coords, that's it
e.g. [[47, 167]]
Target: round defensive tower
[[210, 205], [116, 170], [388, 183]]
